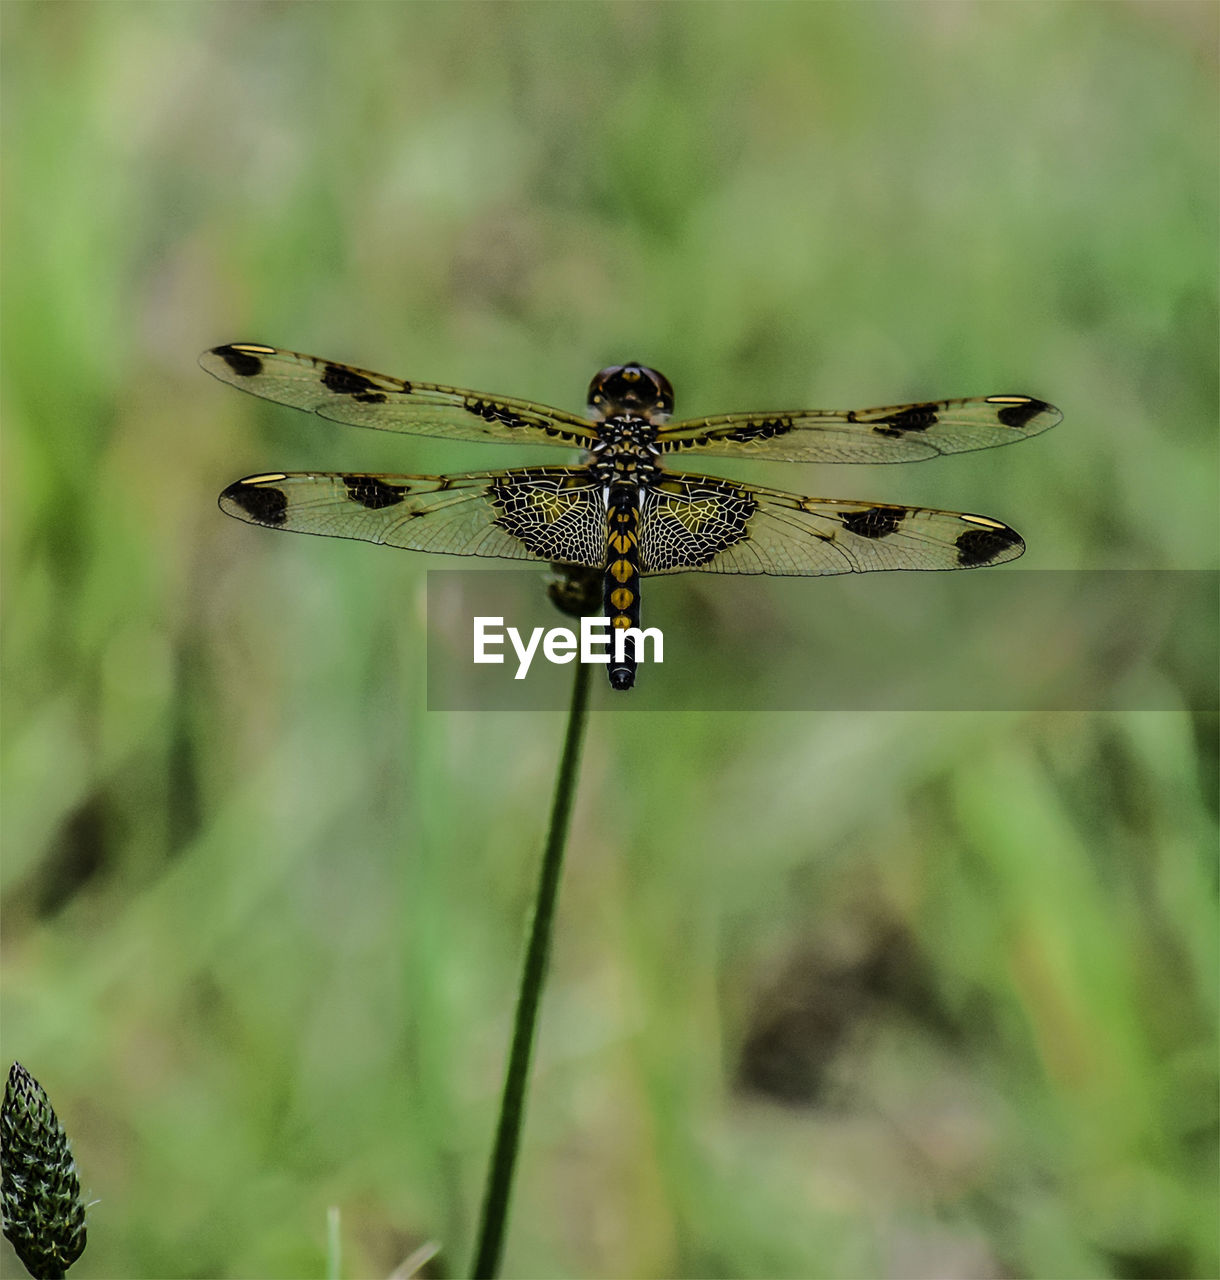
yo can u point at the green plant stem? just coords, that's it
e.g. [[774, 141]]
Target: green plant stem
[[490, 1245], [334, 1244]]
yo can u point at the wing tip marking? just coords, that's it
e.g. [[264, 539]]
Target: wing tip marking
[[243, 358], [990, 542], [258, 499], [1019, 411]]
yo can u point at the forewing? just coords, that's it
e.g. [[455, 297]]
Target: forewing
[[898, 433], [532, 513], [705, 523], [366, 399]]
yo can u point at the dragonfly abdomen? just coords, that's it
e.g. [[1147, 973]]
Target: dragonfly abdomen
[[622, 589]]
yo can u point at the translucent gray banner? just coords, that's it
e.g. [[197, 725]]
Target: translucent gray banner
[[1004, 640]]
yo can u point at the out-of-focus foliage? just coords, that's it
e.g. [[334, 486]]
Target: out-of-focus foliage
[[868, 995]]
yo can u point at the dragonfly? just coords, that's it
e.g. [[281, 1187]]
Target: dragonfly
[[620, 510]]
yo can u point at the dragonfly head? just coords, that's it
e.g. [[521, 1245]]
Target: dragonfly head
[[630, 390]]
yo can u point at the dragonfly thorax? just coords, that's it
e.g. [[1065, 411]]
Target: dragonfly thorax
[[625, 451]]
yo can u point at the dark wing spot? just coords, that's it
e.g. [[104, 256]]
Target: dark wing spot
[[686, 442], [760, 430], [1017, 415], [373, 493], [876, 522], [917, 417], [982, 546], [495, 413], [347, 382], [241, 362], [264, 504]]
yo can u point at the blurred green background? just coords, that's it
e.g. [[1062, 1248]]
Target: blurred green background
[[875, 995]]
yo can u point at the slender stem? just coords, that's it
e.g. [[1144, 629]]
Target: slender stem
[[334, 1244], [533, 974]]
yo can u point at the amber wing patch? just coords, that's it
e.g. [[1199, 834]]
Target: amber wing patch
[[557, 513], [685, 521]]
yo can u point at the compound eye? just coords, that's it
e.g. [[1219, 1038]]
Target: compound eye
[[663, 391], [598, 387]]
